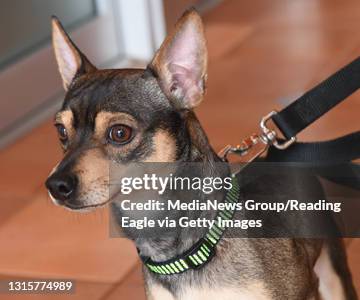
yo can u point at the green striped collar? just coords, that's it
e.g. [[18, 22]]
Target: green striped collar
[[204, 250]]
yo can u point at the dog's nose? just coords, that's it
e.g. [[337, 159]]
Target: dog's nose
[[61, 186]]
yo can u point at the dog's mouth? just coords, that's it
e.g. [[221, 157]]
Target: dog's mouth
[[82, 207]]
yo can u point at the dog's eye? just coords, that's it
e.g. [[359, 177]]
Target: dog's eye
[[62, 132], [120, 134]]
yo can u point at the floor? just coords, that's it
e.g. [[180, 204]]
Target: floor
[[263, 53]]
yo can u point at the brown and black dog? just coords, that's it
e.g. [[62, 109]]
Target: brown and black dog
[[146, 115]]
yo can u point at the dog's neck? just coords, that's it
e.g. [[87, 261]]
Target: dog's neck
[[197, 150]]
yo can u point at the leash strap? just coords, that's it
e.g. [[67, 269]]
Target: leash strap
[[323, 156], [204, 250], [308, 108], [319, 100], [337, 151]]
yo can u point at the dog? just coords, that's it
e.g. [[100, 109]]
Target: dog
[[147, 115]]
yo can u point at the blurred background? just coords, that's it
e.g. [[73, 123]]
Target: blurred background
[[263, 54]]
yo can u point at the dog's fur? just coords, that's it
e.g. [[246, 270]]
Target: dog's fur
[[157, 103]]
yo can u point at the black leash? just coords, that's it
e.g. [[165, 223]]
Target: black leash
[[340, 150], [296, 117], [319, 100], [300, 114], [310, 107]]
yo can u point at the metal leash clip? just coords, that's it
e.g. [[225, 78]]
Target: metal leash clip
[[256, 144]]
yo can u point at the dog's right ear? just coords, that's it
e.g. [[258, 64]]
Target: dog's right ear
[[70, 60], [181, 62]]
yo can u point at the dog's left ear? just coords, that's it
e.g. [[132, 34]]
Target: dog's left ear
[[181, 62], [70, 60]]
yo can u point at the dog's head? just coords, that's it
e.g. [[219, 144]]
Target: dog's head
[[123, 116]]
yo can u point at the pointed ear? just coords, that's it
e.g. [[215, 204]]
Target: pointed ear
[[70, 60], [181, 62]]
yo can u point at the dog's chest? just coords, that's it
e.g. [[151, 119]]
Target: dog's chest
[[254, 291]]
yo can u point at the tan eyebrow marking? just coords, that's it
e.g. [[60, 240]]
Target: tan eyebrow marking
[[66, 118], [104, 119]]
